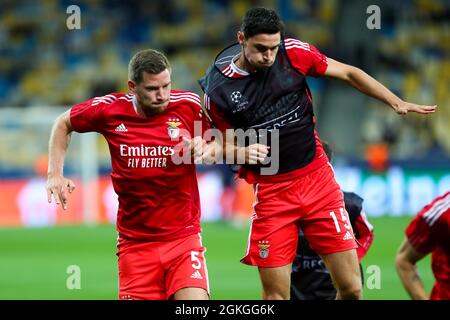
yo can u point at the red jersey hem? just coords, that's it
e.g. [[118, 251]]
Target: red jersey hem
[[151, 238], [251, 177]]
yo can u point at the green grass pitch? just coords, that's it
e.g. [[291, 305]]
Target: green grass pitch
[[34, 262]]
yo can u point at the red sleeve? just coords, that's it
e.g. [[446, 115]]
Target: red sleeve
[[88, 116], [430, 225], [194, 114], [365, 235], [200, 120], [306, 58], [216, 118], [421, 235], [206, 124]]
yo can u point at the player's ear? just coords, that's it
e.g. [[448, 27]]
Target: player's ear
[[131, 86], [240, 37]]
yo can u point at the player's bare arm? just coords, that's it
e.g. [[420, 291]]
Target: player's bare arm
[[203, 152], [252, 154], [57, 184], [405, 263], [211, 152], [371, 87]]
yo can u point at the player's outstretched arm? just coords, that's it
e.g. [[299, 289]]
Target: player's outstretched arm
[[405, 263], [371, 87], [57, 184]]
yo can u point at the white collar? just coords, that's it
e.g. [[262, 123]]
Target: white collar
[[236, 68], [134, 101]]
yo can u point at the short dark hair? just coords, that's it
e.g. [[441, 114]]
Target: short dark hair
[[261, 20], [151, 61]]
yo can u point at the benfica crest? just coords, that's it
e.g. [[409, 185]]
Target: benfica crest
[[263, 246], [173, 130]]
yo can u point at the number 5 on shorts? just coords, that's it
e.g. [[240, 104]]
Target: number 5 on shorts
[[196, 264], [344, 219]]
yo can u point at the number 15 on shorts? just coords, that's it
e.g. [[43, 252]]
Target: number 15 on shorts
[[344, 217]]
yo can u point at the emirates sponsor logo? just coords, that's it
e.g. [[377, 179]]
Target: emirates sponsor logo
[[145, 151]]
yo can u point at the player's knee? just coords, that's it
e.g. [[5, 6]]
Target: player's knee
[[350, 292], [276, 283], [191, 294], [276, 291], [276, 295]]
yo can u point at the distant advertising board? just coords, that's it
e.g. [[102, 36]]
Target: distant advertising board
[[397, 191], [24, 202]]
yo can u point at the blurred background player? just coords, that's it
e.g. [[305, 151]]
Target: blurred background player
[[260, 83], [310, 279], [160, 254], [428, 232]]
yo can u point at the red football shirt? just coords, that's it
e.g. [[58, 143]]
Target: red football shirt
[[306, 59], [158, 200], [429, 232]]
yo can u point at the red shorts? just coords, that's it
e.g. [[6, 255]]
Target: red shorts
[[156, 270], [314, 203]]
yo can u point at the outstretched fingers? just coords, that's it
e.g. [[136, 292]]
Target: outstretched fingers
[[422, 109], [428, 109]]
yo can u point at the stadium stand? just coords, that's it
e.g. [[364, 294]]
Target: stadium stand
[[44, 64]]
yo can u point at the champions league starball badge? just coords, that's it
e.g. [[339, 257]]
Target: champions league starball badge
[[236, 96], [263, 246], [173, 130], [239, 100]]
